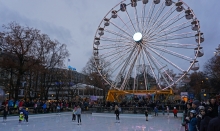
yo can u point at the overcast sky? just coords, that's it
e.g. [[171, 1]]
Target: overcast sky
[[74, 22]]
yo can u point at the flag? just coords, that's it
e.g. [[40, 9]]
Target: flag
[[68, 60]]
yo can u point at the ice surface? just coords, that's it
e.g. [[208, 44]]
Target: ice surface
[[93, 122]]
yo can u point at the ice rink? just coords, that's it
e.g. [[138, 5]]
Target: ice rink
[[93, 122]]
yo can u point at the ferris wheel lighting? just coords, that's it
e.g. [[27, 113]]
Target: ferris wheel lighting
[[137, 36]]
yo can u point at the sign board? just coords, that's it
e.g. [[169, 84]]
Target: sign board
[[191, 96], [184, 93]]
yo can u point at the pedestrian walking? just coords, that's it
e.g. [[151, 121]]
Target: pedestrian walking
[[117, 114], [78, 113]]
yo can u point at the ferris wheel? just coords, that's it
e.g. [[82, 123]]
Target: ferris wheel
[[141, 43]]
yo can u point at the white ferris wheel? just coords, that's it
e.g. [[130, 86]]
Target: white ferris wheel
[[147, 42]]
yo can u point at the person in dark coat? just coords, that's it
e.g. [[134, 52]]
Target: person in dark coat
[[214, 124], [205, 120], [146, 114], [213, 108], [117, 114]]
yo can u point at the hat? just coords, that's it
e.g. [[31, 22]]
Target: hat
[[201, 108], [193, 111], [196, 102]]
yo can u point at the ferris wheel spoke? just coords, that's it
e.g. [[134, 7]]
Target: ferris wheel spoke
[[103, 38], [174, 36], [117, 34], [168, 61], [146, 82], [172, 53], [116, 53], [161, 20], [175, 45], [130, 30], [150, 12], [121, 29], [130, 69], [113, 46], [166, 24], [157, 14], [123, 68], [136, 15], [172, 29], [131, 21], [153, 61], [143, 17]]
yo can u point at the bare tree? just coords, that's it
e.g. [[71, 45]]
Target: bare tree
[[28, 50], [212, 70]]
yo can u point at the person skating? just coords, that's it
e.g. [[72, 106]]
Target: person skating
[[168, 110], [156, 111], [175, 112], [146, 114], [78, 113], [117, 114], [21, 117], [74, 114], [26, 115], [5, 113]]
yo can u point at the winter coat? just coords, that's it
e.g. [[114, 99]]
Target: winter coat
[[116, 111], [78, 111], [214, 124], [204, 123], [192, 124]]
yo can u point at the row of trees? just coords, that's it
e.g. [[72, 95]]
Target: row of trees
[[28, 55]]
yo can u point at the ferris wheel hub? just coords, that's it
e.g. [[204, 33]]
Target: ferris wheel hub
[[137, 37]]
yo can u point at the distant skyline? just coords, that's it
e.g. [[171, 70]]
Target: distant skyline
[[75, 22]]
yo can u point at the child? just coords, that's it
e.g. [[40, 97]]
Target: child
[[21, 117], [26, 115], [175, 112], [74, 114], [146, 114]]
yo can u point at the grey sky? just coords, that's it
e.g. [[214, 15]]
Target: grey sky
[[74, 22]]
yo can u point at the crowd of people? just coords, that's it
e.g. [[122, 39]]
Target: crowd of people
[[202, 116]]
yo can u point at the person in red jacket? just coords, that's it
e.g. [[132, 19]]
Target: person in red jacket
[[175, 112]]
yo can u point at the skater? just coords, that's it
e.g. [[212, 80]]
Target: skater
[[78, 113], [26, 114], [175, 112], [168, 110], [117, 114], [156, 111], [74, 114], [58, 109], [163, 108], [21, 117], [146, 114], [5, 113]]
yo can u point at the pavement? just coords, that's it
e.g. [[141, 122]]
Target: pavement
[[93, 122]]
